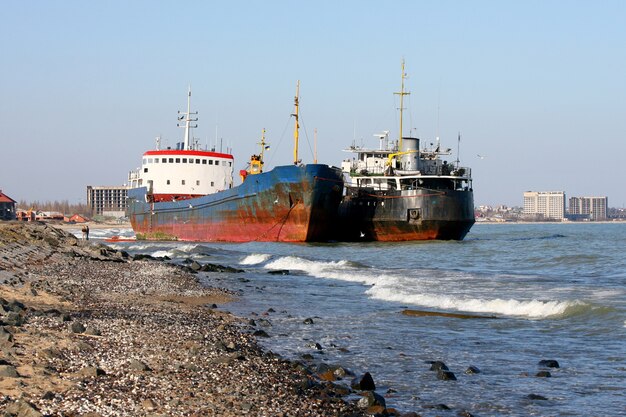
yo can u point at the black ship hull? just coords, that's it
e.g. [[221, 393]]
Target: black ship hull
[[422, 214]]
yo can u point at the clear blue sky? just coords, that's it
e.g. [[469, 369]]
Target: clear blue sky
[[536, 87]]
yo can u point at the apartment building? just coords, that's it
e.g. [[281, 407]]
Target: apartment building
[[549, 204], [107, 200], [593, 207]]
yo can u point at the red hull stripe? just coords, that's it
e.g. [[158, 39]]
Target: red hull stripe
[[188, 153], [174, 197]]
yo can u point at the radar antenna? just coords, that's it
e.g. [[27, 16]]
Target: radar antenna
[[382, 137]]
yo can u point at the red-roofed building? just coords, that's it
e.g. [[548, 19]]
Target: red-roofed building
[[76, 218], [7, 207]]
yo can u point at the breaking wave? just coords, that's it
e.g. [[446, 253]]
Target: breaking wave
[[505, 307], [162, 253], [391, 286], [255, 259], [138, 247], [342, 270]]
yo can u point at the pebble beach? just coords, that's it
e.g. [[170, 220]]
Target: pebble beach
[[86, 330]]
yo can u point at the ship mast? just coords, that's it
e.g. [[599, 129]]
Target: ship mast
[[402, 93], [186, 116], [297, 125], [262, 143]]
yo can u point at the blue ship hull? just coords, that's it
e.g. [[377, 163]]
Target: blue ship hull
[[289, 203]]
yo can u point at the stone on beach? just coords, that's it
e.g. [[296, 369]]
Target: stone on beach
[[77, 327], [446, 375], [471, 370], [138, 365], [364, 382], [5, 336], [438, 365], [548, 363], [8, 371], [371, 399], [23, 408], [219, 268], [260, 333], [279, 272]]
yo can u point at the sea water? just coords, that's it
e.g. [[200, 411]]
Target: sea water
[[556, 291]]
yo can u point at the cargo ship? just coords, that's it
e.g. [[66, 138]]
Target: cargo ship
[[401, 192], [187, 194]]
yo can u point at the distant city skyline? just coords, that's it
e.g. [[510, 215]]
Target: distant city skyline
[[536, 89]]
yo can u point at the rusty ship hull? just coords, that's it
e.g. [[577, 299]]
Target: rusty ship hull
[[287, 204], [369, 215]]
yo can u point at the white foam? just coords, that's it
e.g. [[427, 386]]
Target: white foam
[[333, 270], [255, 259], [187, 248], [161, 253], [396, 288], [139, 247], [510, 307], [607, 293]]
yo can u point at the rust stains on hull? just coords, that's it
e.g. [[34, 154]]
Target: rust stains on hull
[[287, 204]]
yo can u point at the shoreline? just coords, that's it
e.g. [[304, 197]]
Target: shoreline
[[568, 222], [88, 331], [92, 225]]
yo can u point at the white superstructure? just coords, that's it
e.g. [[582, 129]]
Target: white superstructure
[[186, 171]]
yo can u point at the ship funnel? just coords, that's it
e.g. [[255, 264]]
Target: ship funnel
[[409, 160]]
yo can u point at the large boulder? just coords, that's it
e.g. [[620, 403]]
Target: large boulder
[[364, 382], [446, 375], [472, 370], [219, 268], [22, 408], [438, 366], [77, 327], [8, 371], [548, 363], [6, 337], [12, 319], [371, 399]]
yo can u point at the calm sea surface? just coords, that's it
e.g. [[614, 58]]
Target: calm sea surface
[[558, 292]]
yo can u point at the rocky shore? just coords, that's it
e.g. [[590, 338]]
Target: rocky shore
[[87, 331]]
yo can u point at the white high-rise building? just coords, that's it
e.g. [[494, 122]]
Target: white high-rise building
[[550, 204]]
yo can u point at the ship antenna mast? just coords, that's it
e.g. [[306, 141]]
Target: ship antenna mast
[[186, 116], [264, 145], [458, 150], [402, 93], [297, 125]]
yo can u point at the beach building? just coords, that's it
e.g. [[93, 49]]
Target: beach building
[[76, 218], [592, 208], [7, 207], [107, 201], [548, 204], [46, 216], [26, 215]]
